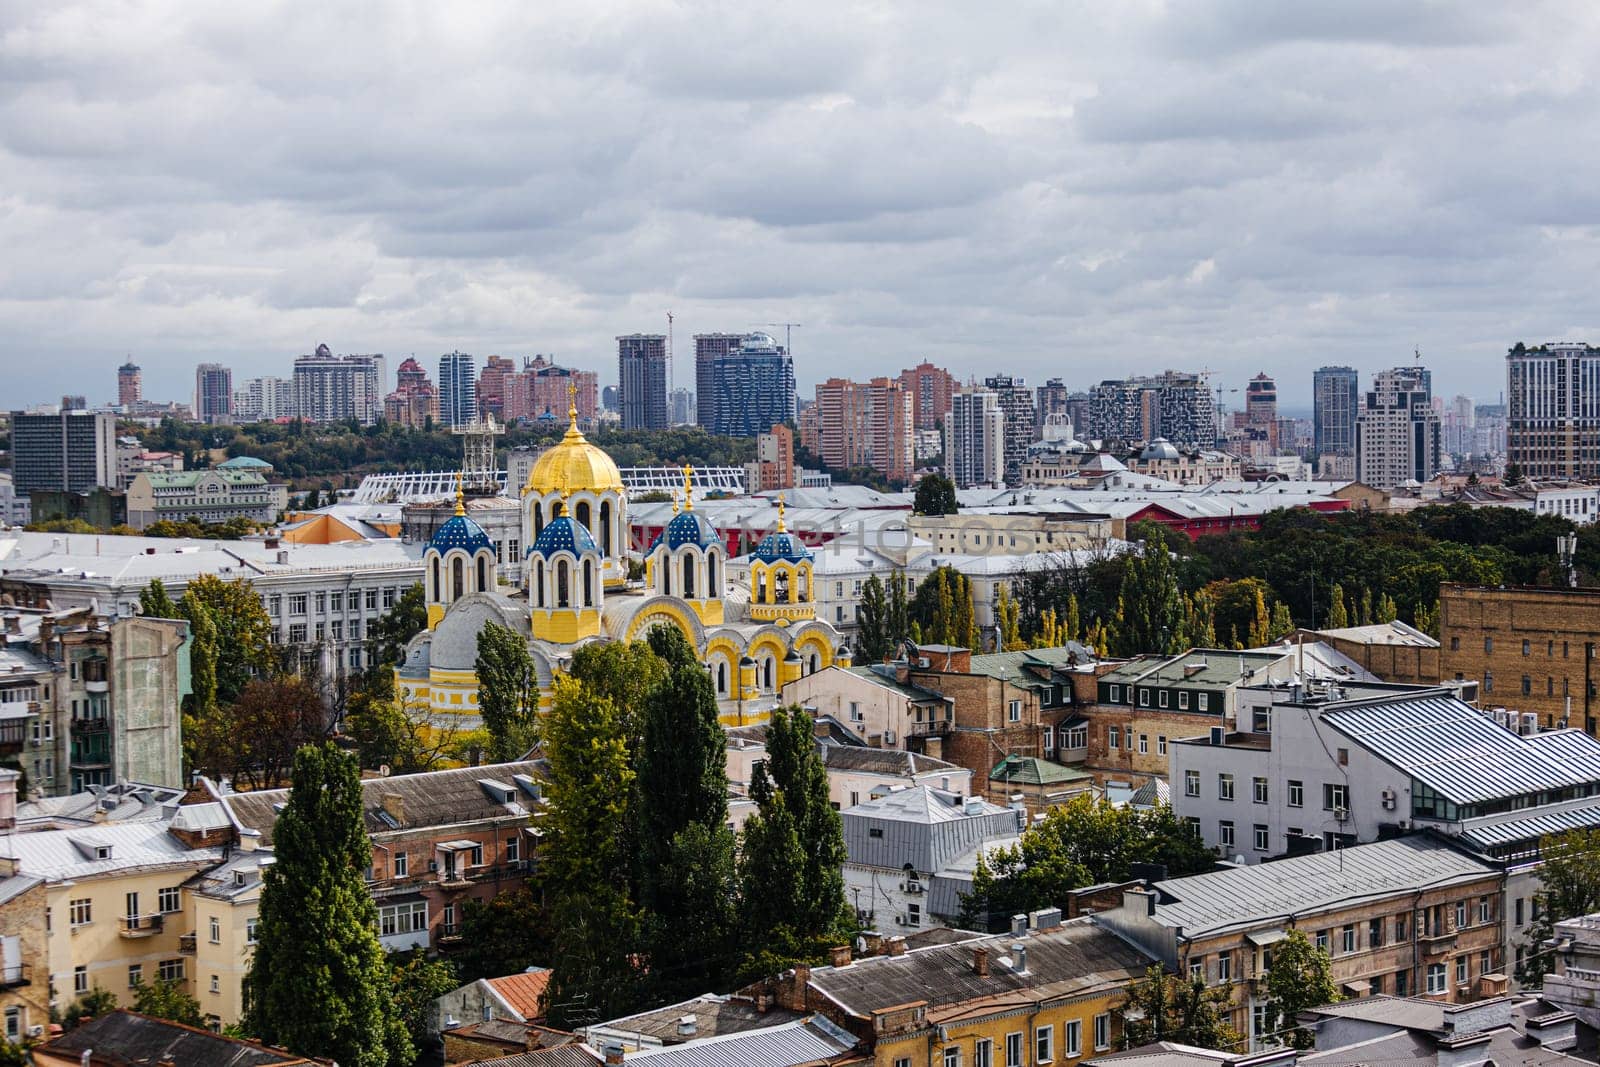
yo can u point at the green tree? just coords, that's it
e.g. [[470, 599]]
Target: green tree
[[586, 860], [1338, 617], [1163, 1007], [872, 636], [1300, 978], [1151, 619], [1387, 611], [897, 617], [394, 629], [1010, 637], [1569, 886], [936, 495], [154, 603], [506, 934], [244, 631], [319, 984], [965, 623], [1281, 625], [1513, 474], [621, 672], [166, 999], [415, 983], [91, 1005], [508, 693]]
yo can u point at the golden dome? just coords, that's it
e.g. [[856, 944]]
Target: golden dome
[[573, 466]]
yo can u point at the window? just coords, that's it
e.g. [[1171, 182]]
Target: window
[[1183, 700], [80, 979], [1102, 1031], [170, 970], [81, 911], [170, 900], [983, 1053], [1259, 1021], [1402, 983], [1072, 1033], [875, 831], [1297, 794], [1077, 737], [297, 604], [1014, 1049], [1225, 967], [1225, 833], [1519, 911], [1436, 978], [1527, 686], [1144, 697], [952, 1057], [1484, 962], [1258, 790], [1488, 681], [1112, 737], [216, 931], [1461, 914], [371, 599], [475, 857], [1204, 700], [1114, 694], [1263, 837], [1197, 970], [410, 918], [1485, 909], [913, 914], [402, 865], [336, 600], [513, 849], [297, 633], [1335, 797], [250, 931], [1044, 1039], [1462, 964], [1347, 939], [1162, 697], [322, 603], [1488, 646], [216, 984], [274, 605], [1191, 783], [1014, 711], [1374, 933], [135, 974], [1144, 744], [1224, 786], [1455, 644], [1322, 940], [1527, 647], [1161, 745], [1401, 929]]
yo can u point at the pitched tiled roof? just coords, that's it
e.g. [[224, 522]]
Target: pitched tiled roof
[[523, 992]]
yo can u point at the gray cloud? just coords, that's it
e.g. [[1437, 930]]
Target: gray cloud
[[1061, 189]]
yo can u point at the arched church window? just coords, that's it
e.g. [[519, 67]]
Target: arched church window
[[458, 578], [483, 574], [538, 581], [688, 576], [538, 519], [606, 547], [434, 593], [588, 584], [780, 587], [563, 593]]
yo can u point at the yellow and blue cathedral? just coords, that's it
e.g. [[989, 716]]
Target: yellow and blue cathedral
[[752, 639]]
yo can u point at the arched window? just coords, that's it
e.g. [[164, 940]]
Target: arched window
[[433, 589], [722, 676], [805, 585], [766, 672], [538, 581], [713, 586], [606, 547], [563, 593], [780, 587], [816, 663], [483, 574], [458, 578], [688, 576], [588, 584], [538, 519], [761, 588], [666, 575], [582, 515]]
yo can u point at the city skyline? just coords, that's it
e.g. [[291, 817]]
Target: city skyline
[[1294, 190]]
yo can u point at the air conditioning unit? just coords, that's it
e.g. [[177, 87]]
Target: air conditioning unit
[[899, 920], [1388, 800], [36, 1030], [1341, 814], [433, 865], [911, 887]]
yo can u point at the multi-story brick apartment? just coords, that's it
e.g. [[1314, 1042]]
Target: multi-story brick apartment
[[866, 424], [1410, 917], [930, 388], [1049, 992], [1531, 649]]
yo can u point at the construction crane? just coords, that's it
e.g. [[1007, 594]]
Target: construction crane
[[787, 327], [669, 352]]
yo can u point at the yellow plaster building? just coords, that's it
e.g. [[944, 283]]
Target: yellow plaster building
[[753, 638]]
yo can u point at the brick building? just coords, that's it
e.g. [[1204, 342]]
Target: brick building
[[1531, 649]]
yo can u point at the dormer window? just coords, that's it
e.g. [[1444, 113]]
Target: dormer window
[[102, 852], [239, 878]]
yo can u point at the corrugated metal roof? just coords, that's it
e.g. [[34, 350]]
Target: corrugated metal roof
[[777, 1046], [1247, 896], [1462, 752], [1532, 827]]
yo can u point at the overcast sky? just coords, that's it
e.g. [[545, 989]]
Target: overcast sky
[[1081, 190]]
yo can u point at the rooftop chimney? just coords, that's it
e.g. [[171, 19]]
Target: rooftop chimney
[[839, 955], [395, 806], [895, 946], [614, 1055], [980, 962]]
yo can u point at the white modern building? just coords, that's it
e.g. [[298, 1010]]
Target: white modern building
[[330, 388], [975, 439], [1397, 431]]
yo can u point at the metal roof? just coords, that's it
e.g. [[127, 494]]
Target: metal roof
[[807, 1041], [1269, 892], [1532, 827], [1462, 752]]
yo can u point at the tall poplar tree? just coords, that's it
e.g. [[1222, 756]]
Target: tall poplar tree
[[508, 692], [794, 778], [872, 636], [319, 982], [897, 617]]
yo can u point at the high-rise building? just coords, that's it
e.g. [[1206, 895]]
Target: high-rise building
[[458, 389], [491, 386], [263, 400], [542, 390], [866, 424], [752, 386], [930, 388], [1173, 405], [330, 388], [1016, 402], [608, 398], [709, 350], [642, 381], [1458, 426], [1397, 431], [415, 399], [73, 452], [74, 402], [213, 393], [1553, 410], [130, 384], [774, 463], [1335, 403], [684, 408], [1049, 399], [975, 439], [1261, 401]]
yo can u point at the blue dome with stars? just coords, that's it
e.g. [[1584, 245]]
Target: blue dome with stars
[[781, 545], [460, 532], [688, 528], [563, 534]]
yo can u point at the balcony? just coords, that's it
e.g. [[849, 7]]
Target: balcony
[[137, 926], [1436, 943], [97, 724], [938, 726], [450, 933], [186, 944], [16, 974], [96, 679]]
